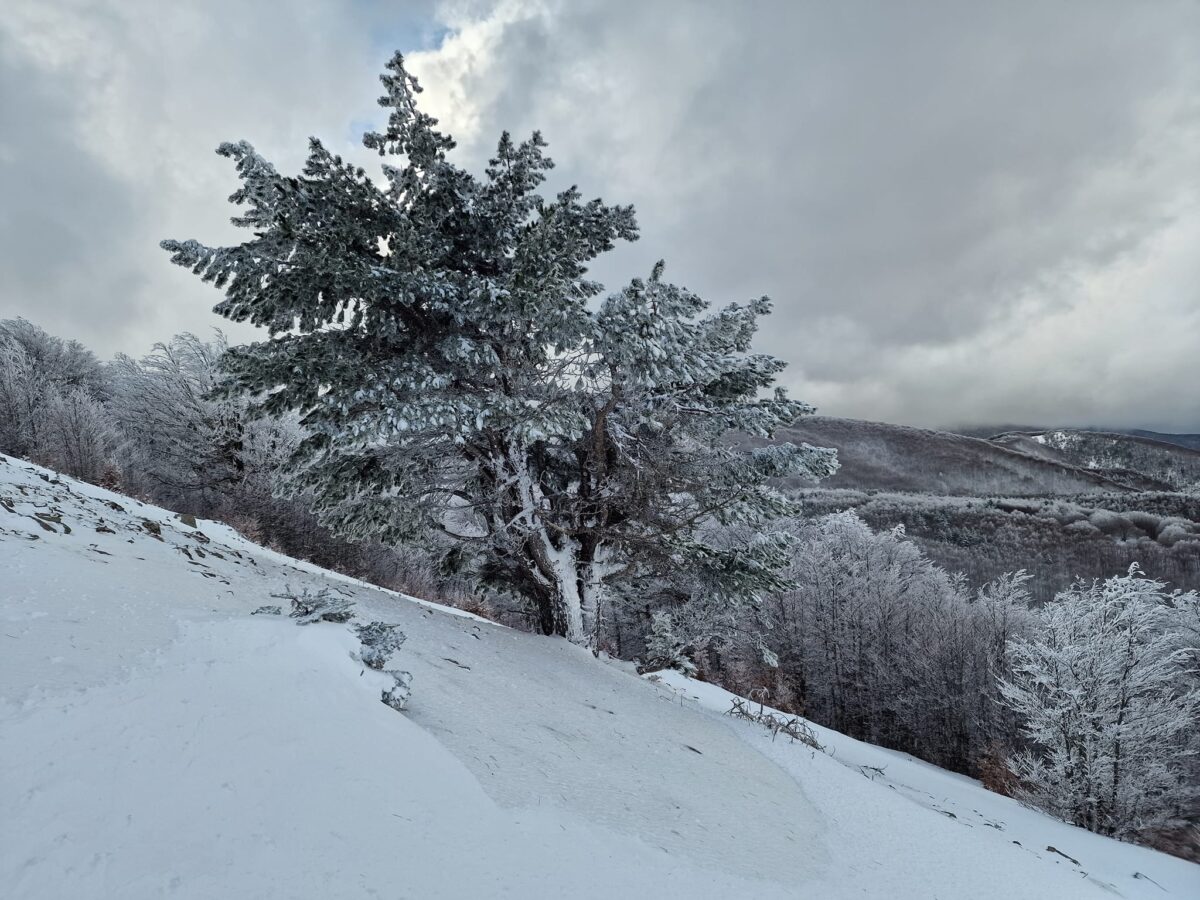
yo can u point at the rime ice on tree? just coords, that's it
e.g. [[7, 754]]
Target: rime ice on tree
[[436, 338], [1106, 695]]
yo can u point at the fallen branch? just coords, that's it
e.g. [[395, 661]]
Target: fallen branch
[[796, 729]]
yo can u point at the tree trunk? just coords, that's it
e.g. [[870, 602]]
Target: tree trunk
[[556, 570]]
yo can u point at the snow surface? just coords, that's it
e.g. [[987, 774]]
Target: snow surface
[[157, 740]]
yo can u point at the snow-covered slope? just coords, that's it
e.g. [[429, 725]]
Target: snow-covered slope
[[157, 740]]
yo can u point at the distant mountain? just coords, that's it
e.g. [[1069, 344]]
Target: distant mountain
[[987, 431], [883, 457], [1191, 441], [1121, 456]]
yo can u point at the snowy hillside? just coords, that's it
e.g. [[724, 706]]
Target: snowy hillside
[[158, 740], [884, 457], [1124, 457]]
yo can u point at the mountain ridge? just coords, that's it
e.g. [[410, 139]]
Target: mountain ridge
[[882, 456]]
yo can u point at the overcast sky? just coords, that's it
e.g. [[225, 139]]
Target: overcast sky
[[966, 213]]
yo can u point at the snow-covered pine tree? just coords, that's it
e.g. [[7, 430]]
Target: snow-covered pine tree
[[436, 337], [1105, 696]]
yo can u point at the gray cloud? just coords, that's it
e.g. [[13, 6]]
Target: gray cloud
[[964, 212], [109, 117], [59, 202], [919, 187]]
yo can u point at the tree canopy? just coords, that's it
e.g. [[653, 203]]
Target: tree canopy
[[438, 337]]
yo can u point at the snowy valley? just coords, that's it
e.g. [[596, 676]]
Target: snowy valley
[[156, 739]]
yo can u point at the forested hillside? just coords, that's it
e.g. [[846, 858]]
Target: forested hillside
[[1085, 503], [1091, 535]]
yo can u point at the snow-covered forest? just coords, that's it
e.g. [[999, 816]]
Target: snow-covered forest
[[447, 405]]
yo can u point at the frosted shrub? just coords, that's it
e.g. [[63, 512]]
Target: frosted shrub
[[665, 649], [398, 694], [379, 642], [321, 606], [1105, 696]]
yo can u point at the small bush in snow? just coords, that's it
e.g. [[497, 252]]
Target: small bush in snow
[[268, 611], [321, 607], [379, 642], [665, 649], [397, 695]]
